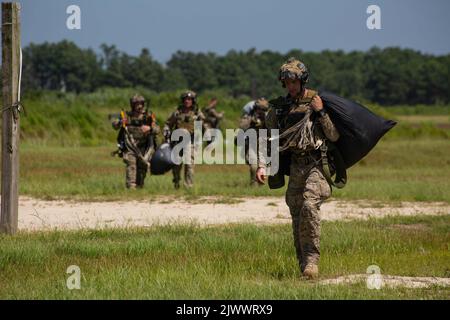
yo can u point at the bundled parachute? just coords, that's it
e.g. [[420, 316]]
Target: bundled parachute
[[359, 128], [161, 161]]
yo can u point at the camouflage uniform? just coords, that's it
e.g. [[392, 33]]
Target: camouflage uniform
[[138, 153], [212, 119], [253, 120], [184, 118], [307, 188]]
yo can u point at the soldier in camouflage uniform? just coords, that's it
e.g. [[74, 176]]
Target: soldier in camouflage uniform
[[138, 130], [183, 118], [302, 111], [212, 118], [253, 120]]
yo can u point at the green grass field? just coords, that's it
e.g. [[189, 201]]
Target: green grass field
[[66, 140], [59, 119], [226, 262], [410, 170], [65, 148]]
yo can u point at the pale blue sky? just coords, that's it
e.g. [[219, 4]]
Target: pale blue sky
[[165, 26]]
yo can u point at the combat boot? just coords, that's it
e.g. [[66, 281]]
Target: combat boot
[[176, 185], [311, 271]]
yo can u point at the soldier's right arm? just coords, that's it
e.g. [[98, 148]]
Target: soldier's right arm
[[169, 125], [329, 128], [216, 114]]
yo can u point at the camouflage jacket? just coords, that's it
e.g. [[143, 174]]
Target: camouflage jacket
[[254, 120], [183, 119], [134, 122], [212, 117], [285, 112]]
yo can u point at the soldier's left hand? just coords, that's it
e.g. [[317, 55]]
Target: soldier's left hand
[[146, 129], [317, 103]]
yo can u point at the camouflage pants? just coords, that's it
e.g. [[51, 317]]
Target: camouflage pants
[[136, 170], [306, 191], [188, 172]]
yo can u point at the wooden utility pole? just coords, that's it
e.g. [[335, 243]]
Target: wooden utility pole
[[11, 56]]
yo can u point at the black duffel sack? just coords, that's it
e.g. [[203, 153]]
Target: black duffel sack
[[359, 131], [161, 161], [359, 128]]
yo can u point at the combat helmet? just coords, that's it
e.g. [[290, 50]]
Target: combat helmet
[[137, 99], [293, 69], [188, 94]]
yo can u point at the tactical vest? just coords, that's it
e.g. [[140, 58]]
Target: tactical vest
[[185, 120], [289, 111], [134, 123]]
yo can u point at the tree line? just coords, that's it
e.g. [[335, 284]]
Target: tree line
[[386, 76]]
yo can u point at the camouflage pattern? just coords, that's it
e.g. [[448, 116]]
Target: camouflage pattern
[[137, 99], [293, 69], [136, 169], [188, 173], [254, 120], [307, 188], [212, 117], [188, 94], [306, 191], [212, 120], [184, 118]]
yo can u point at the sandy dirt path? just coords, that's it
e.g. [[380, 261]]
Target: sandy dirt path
[[390, 281], [37, 214]]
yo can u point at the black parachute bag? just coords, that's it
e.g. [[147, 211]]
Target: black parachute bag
[[359, 128], [161, 160]]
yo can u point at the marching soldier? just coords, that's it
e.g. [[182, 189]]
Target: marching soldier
[[137, 140], [183, 118], [212, 118], [253, 119], [304, 127]]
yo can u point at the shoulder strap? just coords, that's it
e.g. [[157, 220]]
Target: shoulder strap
[[279, 102], [280, 107], [326, 149]]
